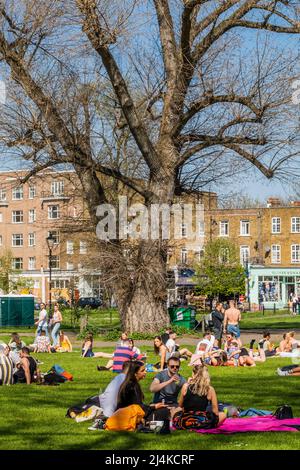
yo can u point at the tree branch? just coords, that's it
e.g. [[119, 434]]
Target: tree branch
[[252, 159], [222, 140], [99, 40], [209, 100], [168, 40]]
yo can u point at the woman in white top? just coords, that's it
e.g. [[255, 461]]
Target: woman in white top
[[56, 323], [42, 323]]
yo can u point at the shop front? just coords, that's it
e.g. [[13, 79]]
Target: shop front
[[272, 286]]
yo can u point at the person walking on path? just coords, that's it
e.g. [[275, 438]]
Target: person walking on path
[[217, 317], [42, 321], [231, 321], [56, 323]]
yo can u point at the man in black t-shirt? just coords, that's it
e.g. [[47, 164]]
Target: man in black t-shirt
[[27, 368], [217, 319]]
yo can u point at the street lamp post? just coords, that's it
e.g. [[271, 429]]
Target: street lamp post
[[248, 282], [50, 242]]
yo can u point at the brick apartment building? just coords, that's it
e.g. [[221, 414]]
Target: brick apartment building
[[268, 239], [46, 204]]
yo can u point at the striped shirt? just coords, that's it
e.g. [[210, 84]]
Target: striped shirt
[[121, 355], [6, 370]]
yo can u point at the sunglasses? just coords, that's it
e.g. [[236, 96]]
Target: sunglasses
[[174, 367]]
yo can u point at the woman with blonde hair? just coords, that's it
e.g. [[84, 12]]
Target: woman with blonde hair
[[196, 396], [65, 344]]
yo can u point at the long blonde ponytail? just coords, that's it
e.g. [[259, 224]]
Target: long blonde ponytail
[[200, 382]]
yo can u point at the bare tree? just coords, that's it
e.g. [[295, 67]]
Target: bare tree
[[194, 104]]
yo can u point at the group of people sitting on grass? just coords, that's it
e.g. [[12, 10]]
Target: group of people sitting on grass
[[42, 343], [174, 398], [207, 351], [16, 364]]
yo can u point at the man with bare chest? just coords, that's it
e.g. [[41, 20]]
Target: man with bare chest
[[231, 320]]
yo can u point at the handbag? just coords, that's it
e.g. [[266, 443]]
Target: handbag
[[284, 412]]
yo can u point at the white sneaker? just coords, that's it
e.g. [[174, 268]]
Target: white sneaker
[[282, 372], [97, 426]]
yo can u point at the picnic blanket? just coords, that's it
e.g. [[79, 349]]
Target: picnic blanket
[[254, 424]]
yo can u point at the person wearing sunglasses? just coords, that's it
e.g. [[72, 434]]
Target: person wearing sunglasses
[[167, 384]]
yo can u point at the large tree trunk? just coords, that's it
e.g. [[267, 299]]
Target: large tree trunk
[[143, 304]]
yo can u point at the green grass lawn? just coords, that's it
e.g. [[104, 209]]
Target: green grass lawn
[[33, 417], [269, 321]]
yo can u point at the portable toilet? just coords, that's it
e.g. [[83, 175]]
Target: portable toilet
[[16, 310]]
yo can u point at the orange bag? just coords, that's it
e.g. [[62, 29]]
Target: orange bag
[[125, 419]]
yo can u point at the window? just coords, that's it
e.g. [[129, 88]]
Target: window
[[57, 188], [17, 239], [17, 263], [32, 192], [199, 255], [295, 224], [224, 255], [295, 258], [275, 254], [276, 225], [201, 228], [70, 247], [55, 262], [31, 262], [2, 194], [55, 235], [184, 256], [270, 289], [245, 227], [1, 241], [70, 266], [244, 254], [31, 239], [183, 231], [17, 217], [31, 216], [17, 193], [224, 228], [53, 212], [82, 247], [60, 284]]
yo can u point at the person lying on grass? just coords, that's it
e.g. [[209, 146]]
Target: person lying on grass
[[196, 395], [289, 370]]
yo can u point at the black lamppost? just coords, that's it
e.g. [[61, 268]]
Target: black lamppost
[[248, 281], [50, 242]]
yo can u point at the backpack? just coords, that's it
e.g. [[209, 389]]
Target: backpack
[[284, 412], [60, 371]]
